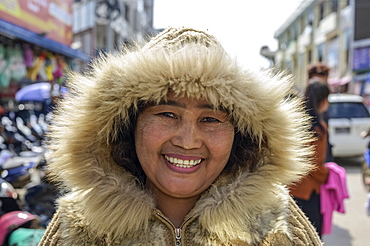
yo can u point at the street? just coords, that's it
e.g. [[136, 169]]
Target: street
[[353, 227]]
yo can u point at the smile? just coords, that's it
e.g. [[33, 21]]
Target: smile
[[182, 163]]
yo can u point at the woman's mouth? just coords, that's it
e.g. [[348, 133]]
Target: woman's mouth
[[182, 163]]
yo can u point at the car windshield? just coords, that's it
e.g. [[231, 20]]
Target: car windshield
[[347, 110]]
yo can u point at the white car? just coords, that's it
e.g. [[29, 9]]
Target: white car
[[348, 119]]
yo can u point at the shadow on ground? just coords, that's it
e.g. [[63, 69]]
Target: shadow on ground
[[338, 237]]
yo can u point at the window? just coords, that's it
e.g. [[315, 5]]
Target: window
[[334, 5], [295, 31], [127, 12], [322, 10], [347, 110], [362, 18], [320, 52], [311, 17], [347, 41]]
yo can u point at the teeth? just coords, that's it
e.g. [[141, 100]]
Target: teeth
[[182, 163]]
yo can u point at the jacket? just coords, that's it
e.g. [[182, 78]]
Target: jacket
[[319, 175], [333, 193], [105, 204]]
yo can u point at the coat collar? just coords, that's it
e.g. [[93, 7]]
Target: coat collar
[[249, 205]]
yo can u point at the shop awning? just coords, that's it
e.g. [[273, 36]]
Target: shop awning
[[12, 30], [340, 81]]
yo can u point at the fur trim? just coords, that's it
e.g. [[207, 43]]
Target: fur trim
[[86, 124], [257, 210]]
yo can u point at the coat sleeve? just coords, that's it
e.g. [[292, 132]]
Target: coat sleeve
[[320, 173], [303, 232], [52, 234]]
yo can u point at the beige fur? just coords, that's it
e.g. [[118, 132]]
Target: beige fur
[[243, 207]]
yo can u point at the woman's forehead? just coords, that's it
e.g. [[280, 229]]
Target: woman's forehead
[[185, 101]]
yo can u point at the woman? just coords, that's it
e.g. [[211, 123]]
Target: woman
[[307, 191], [320, 72], [174, 144]]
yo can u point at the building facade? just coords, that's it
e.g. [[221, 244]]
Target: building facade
[[41, 40], [104, 26], [361, 48], [318, 31]]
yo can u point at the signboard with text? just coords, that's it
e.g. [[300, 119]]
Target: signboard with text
[[361, 59], [52, 18]]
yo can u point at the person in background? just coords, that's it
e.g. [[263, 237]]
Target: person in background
[[174, 143], [306, 192], [320, 72]]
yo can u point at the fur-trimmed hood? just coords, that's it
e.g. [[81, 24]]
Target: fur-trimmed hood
[[86, 123]]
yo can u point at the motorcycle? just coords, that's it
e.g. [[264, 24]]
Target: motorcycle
[[8, 198], [24, 222], [20, 228], [37, 195], [20, 151], [18, 170]]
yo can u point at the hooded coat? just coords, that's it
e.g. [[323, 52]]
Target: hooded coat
[[105, 204]]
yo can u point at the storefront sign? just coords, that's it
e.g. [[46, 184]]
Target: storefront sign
[[49, 18], [361, 59]]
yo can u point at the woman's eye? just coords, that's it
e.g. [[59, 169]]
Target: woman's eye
[[167, 114], [210, 119]]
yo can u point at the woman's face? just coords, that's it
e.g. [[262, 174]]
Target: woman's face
[[183, 145], [324, 105]]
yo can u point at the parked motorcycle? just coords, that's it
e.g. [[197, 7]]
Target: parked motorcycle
[[24, 222], [20, 228], [18, 170], [8, 198], [21, 149]]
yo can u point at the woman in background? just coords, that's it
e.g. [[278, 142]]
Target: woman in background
[[307, 191]]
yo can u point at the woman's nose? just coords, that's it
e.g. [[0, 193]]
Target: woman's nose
[[187, 136]]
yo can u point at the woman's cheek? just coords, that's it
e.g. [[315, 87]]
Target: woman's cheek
[[150, 129]]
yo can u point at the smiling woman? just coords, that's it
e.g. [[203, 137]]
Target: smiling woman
[[182, 147], [173, 143]]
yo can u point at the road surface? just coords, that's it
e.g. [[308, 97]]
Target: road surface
[[353, 227]]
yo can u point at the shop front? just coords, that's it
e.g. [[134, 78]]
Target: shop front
[[35, 46]]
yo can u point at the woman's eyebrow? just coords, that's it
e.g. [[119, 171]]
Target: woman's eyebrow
[[182, 105], [172, 103]]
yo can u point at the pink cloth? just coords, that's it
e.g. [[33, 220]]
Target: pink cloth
[[332, 195]]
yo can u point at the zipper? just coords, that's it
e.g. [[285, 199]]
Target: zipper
[[178, 236]]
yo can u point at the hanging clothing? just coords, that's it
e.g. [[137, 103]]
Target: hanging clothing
[[333, 194]]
